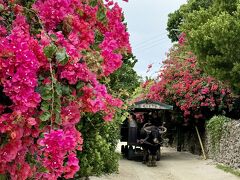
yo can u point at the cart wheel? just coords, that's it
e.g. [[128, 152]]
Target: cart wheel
[[125, 152], [130, 153], [159, 154], [122, 149]]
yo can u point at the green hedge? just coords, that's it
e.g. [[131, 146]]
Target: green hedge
[[100, 140]]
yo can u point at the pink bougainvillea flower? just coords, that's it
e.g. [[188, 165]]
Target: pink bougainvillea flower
[[205, 90], [70, 115], [31, 121], [149, 67], [72, 166], [49, 80]]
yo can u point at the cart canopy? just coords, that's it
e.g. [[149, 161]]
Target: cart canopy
[[148, 104]]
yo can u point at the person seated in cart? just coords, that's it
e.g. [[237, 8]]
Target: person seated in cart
[[153, 118]]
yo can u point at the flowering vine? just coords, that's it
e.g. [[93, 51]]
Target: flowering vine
[[53, 55]]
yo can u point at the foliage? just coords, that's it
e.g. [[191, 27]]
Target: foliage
[[3, 177], [100, 141], [177, 18], [124, 80], [213, 36], [140, 92], [215, 130], [183, 84], [229, 169], [53, 57]]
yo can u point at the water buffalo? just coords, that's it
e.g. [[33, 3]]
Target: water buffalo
[[151, 141]]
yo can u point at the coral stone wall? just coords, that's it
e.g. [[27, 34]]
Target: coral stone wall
[[228, 151]]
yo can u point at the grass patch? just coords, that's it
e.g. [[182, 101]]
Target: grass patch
[[229, 169]]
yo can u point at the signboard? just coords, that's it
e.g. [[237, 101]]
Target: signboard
[[149, 106]]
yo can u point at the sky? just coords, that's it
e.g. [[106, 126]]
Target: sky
[[147, 23]]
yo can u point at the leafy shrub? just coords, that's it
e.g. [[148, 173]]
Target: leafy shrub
[[100, 140]]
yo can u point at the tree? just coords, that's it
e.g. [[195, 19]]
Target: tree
[[178, 17], [212, 29], [213, 37], [125, 80]]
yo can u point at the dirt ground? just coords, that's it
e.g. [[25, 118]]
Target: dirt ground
[[172, 166]]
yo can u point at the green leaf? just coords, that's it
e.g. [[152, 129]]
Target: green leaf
[[47, 88], [58, 89], [45, 106], [101, 15], [4, 140], [58, 101], [61, 56], [50, 50], [79, 93], [40, 77], [79, 85], [57, 108], [45, 92], [41, 126], [42, 169], [45, 116], [57, 111], [53, 36], [58, 119], [93, 3], [66, 90], [54, 80], [1, 7], [46, 96], [30, 158]]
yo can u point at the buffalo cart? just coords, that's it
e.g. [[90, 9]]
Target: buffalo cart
[[130, 129]]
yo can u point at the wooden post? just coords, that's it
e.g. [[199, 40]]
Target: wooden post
[[201, 144], [179, 138]]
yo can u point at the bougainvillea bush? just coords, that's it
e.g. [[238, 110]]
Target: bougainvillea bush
[[53, 55], [182, 83]]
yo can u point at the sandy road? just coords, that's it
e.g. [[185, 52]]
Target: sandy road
[[172, 166]]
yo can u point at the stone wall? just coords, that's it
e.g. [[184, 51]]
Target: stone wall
[[228, 151]]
